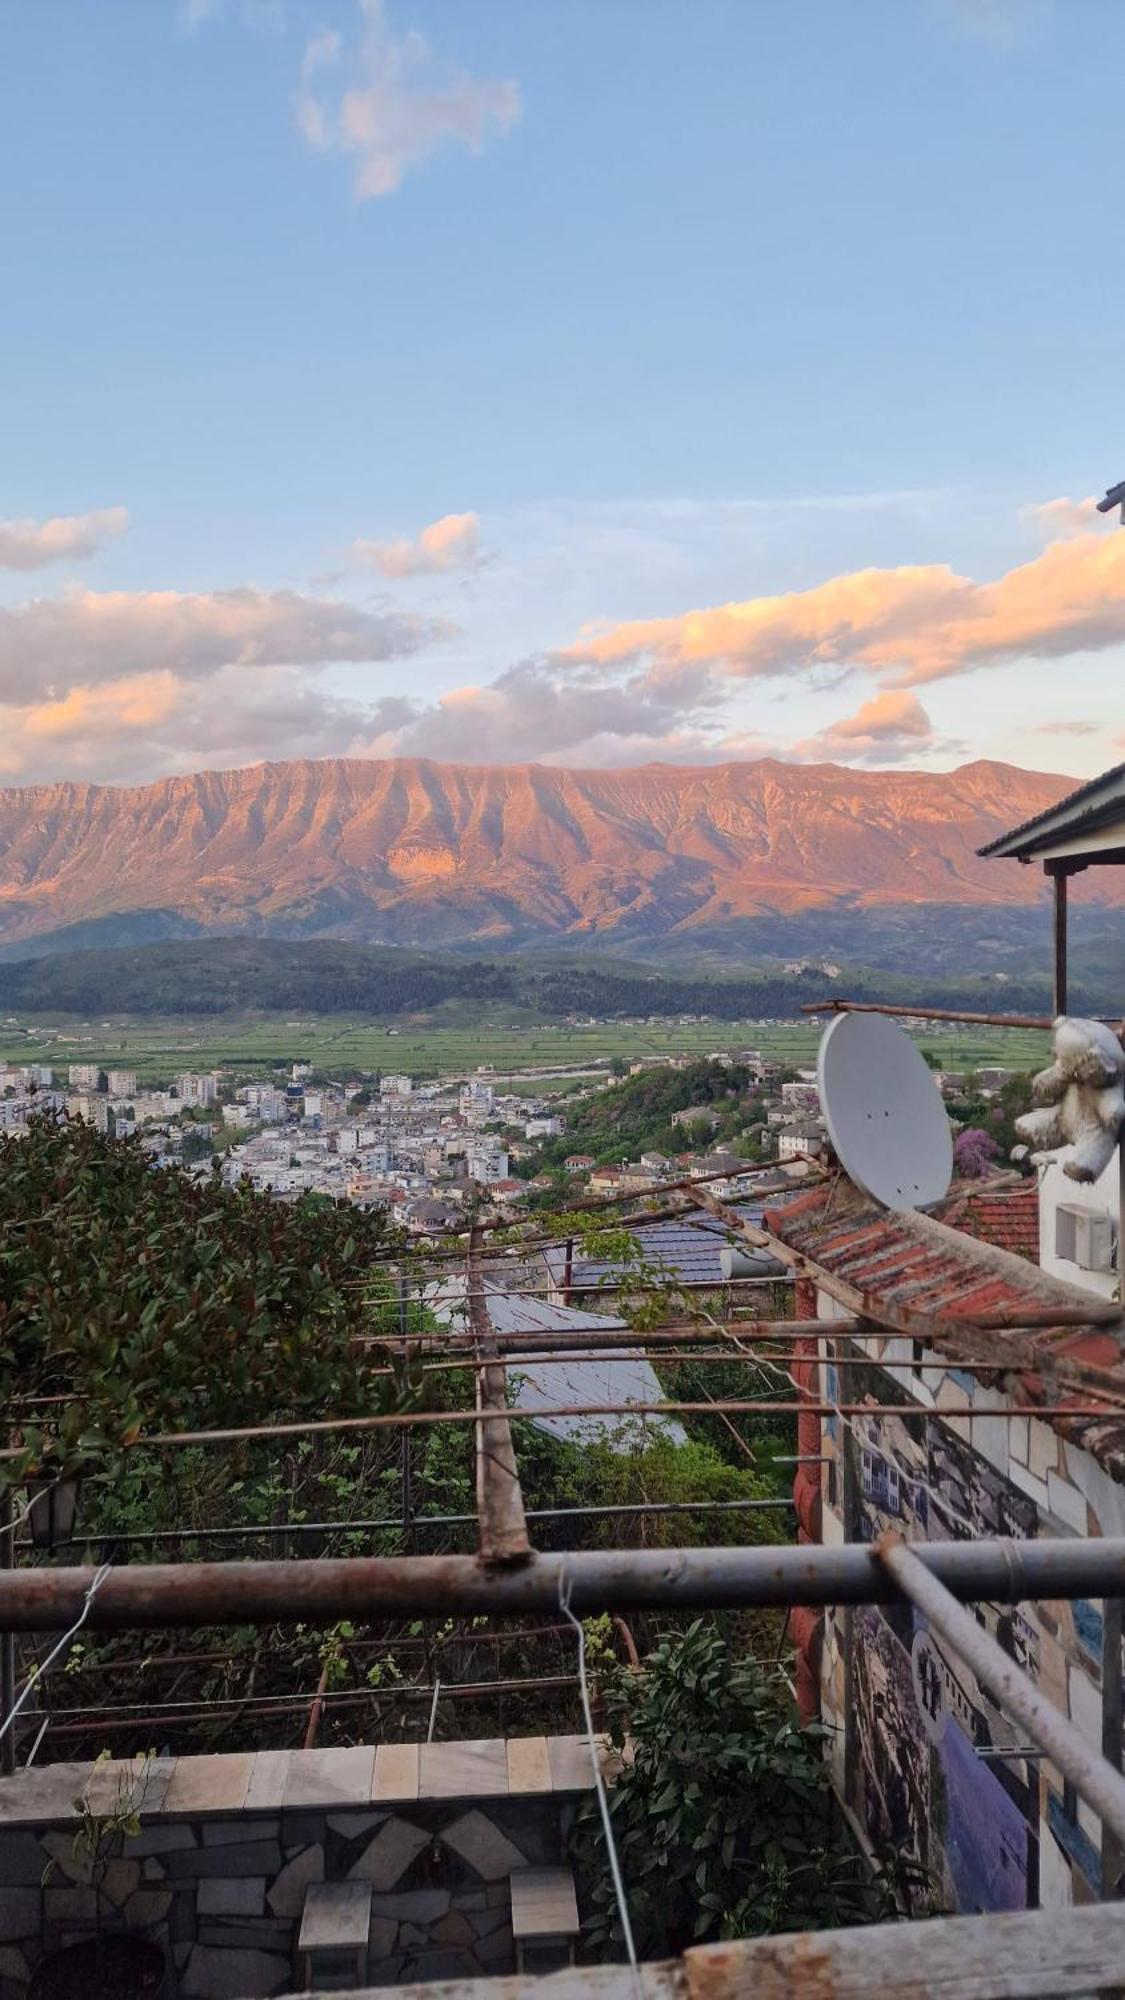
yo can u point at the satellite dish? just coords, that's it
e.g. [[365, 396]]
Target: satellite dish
[[884, 1112]]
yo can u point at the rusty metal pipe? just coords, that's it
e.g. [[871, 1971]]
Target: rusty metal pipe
[[834, 1006], [147, 1596]]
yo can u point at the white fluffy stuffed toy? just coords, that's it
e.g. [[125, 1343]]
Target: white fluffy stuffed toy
[[1081, 1098]]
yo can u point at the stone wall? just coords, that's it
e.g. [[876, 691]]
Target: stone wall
[[229, 1845]]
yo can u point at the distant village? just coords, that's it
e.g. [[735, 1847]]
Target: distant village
[[424, 1150]]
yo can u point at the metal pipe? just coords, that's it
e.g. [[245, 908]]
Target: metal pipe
[[145, 1538], [365, 1588], [1113, 1853], [7, 1639], [90, 1721], [834, 1006], [1093, 1778], [1108, 1405], [1058, 872]]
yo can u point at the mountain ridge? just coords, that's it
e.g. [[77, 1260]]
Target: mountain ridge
[[410, 851]]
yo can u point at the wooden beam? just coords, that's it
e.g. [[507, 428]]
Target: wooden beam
[[1058, 871], [1024, 1955], [503, 1536]]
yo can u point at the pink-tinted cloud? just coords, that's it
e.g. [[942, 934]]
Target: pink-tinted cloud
[[906, 626], [388, 106], [888, 729], [139, 725], [62, 538], [449, 544], [86, 637], [1063, 518]]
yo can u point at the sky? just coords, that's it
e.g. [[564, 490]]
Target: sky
[[595, 382]]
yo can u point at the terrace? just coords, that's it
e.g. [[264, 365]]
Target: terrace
[[959, 1427]]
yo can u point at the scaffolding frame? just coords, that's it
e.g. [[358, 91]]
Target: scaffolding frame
[[507, 1578]]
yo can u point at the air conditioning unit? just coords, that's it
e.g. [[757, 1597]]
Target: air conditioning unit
[[1085, 1236]]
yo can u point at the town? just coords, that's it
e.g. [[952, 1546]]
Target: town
[[428, 1150]]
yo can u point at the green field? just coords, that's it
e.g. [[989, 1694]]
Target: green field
[[158, 1050]]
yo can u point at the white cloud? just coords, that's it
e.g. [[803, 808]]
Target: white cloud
[[530, 715], [51, 645], [64, 537], [1001, 23], [388, 108], [449, 544]]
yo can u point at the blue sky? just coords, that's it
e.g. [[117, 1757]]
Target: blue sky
[[671, 305]]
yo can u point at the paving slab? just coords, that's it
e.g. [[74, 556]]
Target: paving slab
[[218, 1783], [544, 1903], [529, 1768], [463, 1770], [47, 1791], [572, 1768], [268, 1780], [330, 1777], [389, 1854], [396, 1773], [336, 1917], [141, 1781]]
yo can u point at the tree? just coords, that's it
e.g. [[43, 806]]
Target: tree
[[723, 1819], [973, 1153], [153, 1301]]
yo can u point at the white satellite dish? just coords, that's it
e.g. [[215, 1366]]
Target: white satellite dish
[[884, 1112]]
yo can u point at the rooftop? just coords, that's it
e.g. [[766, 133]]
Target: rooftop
[[1091, 819], [920, 1276]]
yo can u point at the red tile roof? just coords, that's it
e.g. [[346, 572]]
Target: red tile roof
[[917, 1275], [1006, 1216]]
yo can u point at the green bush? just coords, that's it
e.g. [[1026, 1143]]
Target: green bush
[[724, 1822], [152, 1302]]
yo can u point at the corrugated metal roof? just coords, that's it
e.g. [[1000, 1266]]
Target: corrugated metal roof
[[1079, 811], [608, 1377], [914, 1273], [679, 1250]]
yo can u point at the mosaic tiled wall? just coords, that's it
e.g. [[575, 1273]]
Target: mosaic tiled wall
[[222, 1892], [915, 1738]]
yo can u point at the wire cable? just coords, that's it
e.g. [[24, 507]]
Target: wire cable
[[599, 1784], [37, 1673]]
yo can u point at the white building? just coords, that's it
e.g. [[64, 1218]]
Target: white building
[[1078, 1225], [487, 1161], [83, 1076], [797, 1141], [396, 1086], [121, 1082], [197, 1090]]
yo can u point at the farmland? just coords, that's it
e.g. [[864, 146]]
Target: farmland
[[159, 1049]]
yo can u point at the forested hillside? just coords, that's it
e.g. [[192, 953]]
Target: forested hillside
[[234, 975]]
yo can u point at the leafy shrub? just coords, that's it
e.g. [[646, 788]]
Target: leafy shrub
[[154, 1302], [724, 1822]]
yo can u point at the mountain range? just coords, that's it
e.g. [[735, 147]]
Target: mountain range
[[410, 852]]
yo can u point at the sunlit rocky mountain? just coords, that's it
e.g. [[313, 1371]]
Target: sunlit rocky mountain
[[411, 852]]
